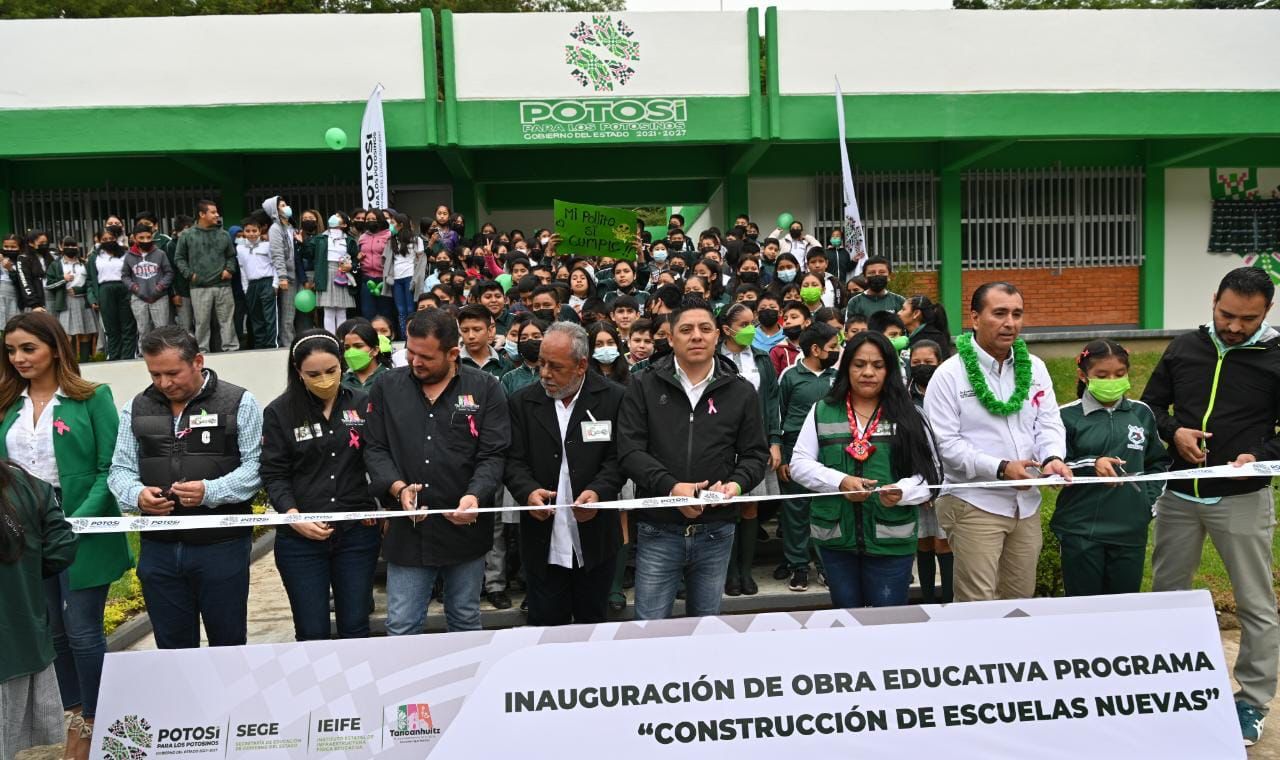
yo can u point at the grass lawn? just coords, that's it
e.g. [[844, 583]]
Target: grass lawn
[[1212, 574]]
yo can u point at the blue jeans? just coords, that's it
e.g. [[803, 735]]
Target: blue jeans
[[664, 555], [404, 301], [409, 594], [184, 584], [344, 562], [76, 620], [863, 580]]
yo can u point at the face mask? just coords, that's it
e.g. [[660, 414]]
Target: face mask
[[768, 317], [1108, 390], [835, 242], [877, 282], [749, 277], [335, 222], [606, 354], [744, 336], [111, 247], [795, 234], [529, 350], [394, 230], [71, 253], [323, 388], [546, 315], [146, 247], [384, 344], [43, 248], [786, 275], [309, 225], [829, 360], [442, 266], [753, 236], [544, 241], [512, 350], [677, 271], [660, 256], [899, 342], [922, 373], [287, 212], [811, 294], [357, 359], [116, 230], [661, 347], [793, 332]]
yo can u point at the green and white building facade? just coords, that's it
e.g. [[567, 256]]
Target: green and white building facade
[[1077, 153]]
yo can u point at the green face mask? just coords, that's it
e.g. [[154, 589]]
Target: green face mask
[[811, 294], [357, 359], [900, 342], [1109, 390], [745, 336], [384, 344]]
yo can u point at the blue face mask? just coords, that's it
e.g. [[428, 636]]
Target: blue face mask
[[786, 275], [512, 349], [606, 354], [659, 256]]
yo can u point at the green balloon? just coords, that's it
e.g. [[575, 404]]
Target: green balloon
[[335, 138], [304, 300], [504, 280], [784, 220]]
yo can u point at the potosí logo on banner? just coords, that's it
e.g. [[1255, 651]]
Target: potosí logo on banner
[[603, 54], [373, 154]]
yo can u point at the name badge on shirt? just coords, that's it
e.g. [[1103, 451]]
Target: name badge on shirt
[[597, 432], [204, 420], [302, 434]]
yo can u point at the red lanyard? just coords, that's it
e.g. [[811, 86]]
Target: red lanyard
[[861, 447]]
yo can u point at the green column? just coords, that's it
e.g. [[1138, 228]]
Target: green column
[[736, 199], [1151, 277], [6, 200], [950, 289]]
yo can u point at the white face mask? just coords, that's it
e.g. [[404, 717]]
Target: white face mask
[[335, 221]]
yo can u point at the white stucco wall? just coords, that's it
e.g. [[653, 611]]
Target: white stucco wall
[[773, 195], [1190, 274], [209, 60], [262, 373]]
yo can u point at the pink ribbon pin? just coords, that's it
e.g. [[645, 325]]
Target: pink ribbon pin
[[711, 406], [184, 433], [62, 427], [353, 439], [1035, 400], [471, 420]]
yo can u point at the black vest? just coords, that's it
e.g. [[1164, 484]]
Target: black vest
[[206, 451]]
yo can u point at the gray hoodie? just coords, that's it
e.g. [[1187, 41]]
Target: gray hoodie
[[281, 239]]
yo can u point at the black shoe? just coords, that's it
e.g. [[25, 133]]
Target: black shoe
[[782, 572], [749, 587], [799, 579], [524, 604], [762, 535], [822, 578], [617, 602], [732, 584], [516, 586], [499, 600]]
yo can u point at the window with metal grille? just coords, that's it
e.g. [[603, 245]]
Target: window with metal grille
[[899, 214], [79, 213], [326, 198], [1052, 218]]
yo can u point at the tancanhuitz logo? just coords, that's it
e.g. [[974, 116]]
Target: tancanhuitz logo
[[127, 739], [413, 722], [601, 58]]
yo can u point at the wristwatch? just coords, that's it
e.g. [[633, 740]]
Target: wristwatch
[[1001, 468]]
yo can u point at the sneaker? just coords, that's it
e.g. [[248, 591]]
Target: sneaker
[[499, 600], [799, 579], [524, 604], [782, 572], [1251, 720]]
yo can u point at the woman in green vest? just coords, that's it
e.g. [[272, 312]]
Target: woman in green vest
[[868, 445], [62, 429]]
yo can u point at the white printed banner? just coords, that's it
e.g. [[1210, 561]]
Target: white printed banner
[[373, 154], [1102, 677]]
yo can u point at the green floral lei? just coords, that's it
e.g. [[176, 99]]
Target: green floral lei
[[1021, 377]]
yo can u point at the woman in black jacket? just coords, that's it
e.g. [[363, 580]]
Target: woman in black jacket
[[32, 264], [313, 461]]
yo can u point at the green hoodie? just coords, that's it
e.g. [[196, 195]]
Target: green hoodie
[[1099, 512], [202, 256]]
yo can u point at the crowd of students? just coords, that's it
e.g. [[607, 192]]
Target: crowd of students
[[728, 364]]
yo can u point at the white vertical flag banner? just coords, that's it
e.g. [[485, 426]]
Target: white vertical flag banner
[[854, 238], [373, 153]]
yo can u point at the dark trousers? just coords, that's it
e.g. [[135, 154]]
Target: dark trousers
[[184, 584], [1090, 568], [117, 320], [344, 562], [559, 596], [865, 580], [75, 618], [260, 305]]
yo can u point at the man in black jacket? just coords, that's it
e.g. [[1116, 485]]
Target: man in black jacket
[[564, 457], [437, 436], [689, 423], [1223, 384]]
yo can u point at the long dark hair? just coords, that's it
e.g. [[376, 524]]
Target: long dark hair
[[1097, 349], [303, 406], [13, 537], [935, 316], [912, 442], [620, 371], [363, 328]]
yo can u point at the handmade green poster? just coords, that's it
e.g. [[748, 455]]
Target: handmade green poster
[[595, 231]]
